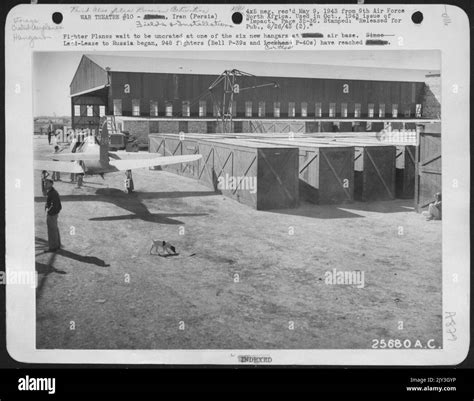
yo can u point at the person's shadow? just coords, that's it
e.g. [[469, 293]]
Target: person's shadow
[[45, 269], [93, 260], [41, 243]]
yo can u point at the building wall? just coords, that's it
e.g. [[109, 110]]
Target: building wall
[[176, 88], [88, 75], [92, 100], [432, 96]]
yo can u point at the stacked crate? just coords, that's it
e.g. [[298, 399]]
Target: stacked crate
[[326, 171], [178, 145], [323, 168], [273, 168], [374, 168], [228, 164]]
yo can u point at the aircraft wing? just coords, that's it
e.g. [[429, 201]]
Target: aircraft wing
[[132, 155], [122, 165], [63, 167], [74, 156]]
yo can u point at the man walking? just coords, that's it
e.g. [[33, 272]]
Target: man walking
[[52, 207]]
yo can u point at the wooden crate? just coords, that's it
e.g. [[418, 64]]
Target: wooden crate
[[273, 135], [187, 144], [190, 146], [206, 174], [405, 171], [173, 147], [274, 167], [428, 166], [156, 144], [404, 163], [274, 126], [194, 135], [177, 145], [374, 170], [326, 172]]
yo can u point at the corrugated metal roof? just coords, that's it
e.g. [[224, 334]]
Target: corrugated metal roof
[[216, 67]]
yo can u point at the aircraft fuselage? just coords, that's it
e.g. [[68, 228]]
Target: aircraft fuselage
[[94, 167]]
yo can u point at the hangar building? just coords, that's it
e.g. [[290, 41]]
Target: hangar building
[[151, 94]]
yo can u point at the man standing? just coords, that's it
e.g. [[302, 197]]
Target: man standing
[[52, 207], [56, 174], [50, 131]]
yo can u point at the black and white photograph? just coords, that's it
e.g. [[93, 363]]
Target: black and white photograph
[[238, 200], [237, 185]]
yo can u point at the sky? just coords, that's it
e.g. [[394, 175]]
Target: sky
[[53, 71]]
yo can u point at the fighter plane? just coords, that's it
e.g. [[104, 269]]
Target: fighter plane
[[93, 157]]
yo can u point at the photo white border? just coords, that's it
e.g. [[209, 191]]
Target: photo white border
[[433, 34]]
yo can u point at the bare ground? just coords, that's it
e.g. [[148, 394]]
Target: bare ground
[[120, 297]]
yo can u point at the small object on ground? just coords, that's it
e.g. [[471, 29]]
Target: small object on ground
[[101, 301], [193, 254], [165, 246], [219, 291]]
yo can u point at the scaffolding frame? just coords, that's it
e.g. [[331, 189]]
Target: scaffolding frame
[[231, 87]]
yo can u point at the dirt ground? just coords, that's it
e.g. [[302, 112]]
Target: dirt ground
[[105, 291]]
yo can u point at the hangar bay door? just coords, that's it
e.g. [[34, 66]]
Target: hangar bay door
[[428, 169]]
